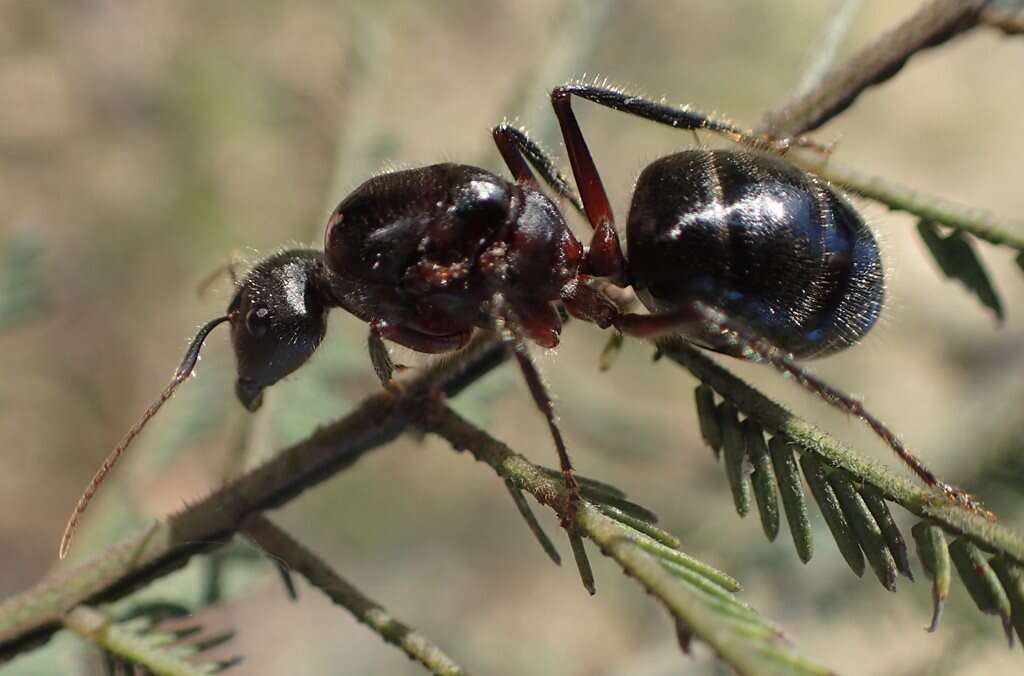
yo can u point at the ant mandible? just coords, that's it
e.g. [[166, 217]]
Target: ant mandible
[[737, 250]]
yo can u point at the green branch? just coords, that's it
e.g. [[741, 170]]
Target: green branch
[[933, 24], [776, 419], [32, 616], [699, 598], [282, 546], [977, 222]]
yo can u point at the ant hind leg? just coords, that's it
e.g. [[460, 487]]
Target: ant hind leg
[[698, 320], [677, 117], [603, 257]]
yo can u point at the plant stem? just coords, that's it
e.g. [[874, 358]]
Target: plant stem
[[933, 24], [809, 439], [32, 616], [280, 544]]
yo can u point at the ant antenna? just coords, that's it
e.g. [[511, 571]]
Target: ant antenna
[[182, 373], [230, 267]]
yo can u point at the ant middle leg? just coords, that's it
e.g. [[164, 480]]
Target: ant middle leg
[[510, 333], [584, 302]]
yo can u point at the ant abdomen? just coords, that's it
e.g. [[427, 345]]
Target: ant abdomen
[[773, 246]]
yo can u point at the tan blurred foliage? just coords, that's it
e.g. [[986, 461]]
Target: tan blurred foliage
[[142, 143]]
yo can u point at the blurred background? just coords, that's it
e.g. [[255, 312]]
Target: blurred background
[[142, 144]]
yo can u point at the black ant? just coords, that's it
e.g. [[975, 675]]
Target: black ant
[[737, 250]]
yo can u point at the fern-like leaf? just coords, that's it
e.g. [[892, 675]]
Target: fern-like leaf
[[140, 642], [854, 500], [701, 600], [957, 259]]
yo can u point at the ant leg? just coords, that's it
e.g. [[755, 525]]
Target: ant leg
[[710, 324], [603, 257], [514, 145], [588, 304], [540, 323], [517, 346], [678, 117], [380, 358], [231, 268], [410, 338]]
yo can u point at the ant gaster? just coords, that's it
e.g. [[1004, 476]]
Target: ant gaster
[[737, 250]]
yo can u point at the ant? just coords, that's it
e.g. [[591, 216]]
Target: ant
[[736, 250]]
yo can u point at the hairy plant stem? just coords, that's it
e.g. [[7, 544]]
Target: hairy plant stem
[[976, 222], [279, 544], [31, 617], [613, 540], [933, 24], [776, 419]]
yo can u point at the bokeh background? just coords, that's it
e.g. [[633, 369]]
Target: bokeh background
[[142, 144]]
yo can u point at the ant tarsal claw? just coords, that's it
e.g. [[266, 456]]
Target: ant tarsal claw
[[965, 500], [569, 500]]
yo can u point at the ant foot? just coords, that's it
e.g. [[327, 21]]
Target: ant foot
[[569, 501], [965, 500], [783, 144], [823, 149], [611, 351]]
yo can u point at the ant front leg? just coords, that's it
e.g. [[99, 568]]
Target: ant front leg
[[514, 145], [410, 338], [677, 117]]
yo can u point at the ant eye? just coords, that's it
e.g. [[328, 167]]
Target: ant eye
[[258, 320]]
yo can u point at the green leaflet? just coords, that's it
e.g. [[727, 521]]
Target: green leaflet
[[763, 478], [788, 475], [828, 502], [734, 445], [957, 260], [708, 417], [934, 556], [867, 530], [982, 582], [136, 641]]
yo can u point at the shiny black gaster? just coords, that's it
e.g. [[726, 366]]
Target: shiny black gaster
[[750, 234]]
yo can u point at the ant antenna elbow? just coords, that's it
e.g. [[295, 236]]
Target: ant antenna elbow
[[184, 370]]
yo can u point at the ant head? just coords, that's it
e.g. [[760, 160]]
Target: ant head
[[277, 321]]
